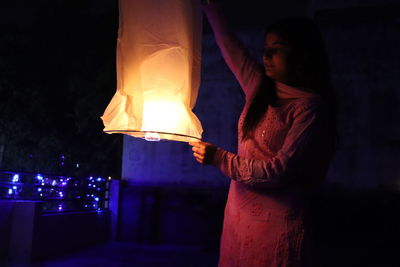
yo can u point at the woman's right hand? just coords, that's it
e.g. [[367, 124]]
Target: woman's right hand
[[203, 152]]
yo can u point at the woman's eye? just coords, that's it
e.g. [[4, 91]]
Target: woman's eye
[[268, 52]]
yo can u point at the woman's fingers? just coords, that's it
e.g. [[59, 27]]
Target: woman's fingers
[[198, 147], [202, 151], [199, 150], [199, 156], [196, 144]]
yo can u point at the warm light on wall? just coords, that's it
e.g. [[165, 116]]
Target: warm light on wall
[[158, 71]]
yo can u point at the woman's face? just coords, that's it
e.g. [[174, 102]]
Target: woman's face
[[276, 58]]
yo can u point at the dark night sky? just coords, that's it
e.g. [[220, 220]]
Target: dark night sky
[[57, 61]]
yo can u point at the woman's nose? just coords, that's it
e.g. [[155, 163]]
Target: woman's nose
[[266, 58]]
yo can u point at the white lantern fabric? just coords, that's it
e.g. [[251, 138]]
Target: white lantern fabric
[[158, 70]]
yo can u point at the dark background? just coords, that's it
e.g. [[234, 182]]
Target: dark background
[[57, 74]]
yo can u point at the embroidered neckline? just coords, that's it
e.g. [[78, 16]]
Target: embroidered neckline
[[284, 91]]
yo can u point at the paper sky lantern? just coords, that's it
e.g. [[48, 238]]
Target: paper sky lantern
[[158, 70]]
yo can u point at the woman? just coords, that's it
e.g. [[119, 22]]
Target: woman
[[286, 140]]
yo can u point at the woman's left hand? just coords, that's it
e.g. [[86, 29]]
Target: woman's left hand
[[203, 152]]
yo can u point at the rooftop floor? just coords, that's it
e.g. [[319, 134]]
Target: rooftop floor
[[118, 254]]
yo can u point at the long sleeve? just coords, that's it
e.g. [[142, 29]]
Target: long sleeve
[[305, 154], [246, 70]]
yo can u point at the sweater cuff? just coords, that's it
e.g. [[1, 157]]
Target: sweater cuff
[[219, 156]]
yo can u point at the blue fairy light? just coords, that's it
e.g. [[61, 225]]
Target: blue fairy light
[[48, 187], [15, 178]]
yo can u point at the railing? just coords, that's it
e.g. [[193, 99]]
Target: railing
[[58, 193]]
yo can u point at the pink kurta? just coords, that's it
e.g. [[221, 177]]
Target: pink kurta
[[288, 151]]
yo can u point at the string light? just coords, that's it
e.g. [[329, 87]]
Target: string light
[[49, 187], [15, 178]]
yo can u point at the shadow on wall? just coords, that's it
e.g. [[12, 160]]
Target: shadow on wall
[[355, 227], [363, 49]]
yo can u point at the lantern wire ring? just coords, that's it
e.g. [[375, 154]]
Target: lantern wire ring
[[133, 131]]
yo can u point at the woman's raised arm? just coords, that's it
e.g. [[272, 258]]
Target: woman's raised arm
[[247, 71]]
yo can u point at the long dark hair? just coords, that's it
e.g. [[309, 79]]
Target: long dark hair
[[309, 68]]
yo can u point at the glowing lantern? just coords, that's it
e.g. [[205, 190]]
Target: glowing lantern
[[158, 71]]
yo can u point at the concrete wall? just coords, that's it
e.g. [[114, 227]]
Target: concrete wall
[[61, 233], [27, 235], [171, 215], [6, 212]]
